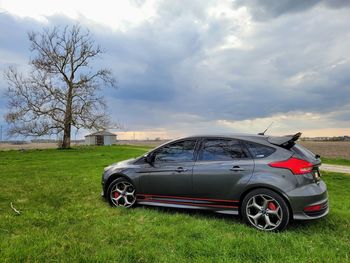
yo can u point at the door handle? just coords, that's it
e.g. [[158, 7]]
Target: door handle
[[180, 170], [236, 168]]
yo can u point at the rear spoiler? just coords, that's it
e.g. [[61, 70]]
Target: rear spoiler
[[286, 141]]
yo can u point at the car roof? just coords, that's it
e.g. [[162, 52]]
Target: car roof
[[262, 139], [242, 136], [284, 141]]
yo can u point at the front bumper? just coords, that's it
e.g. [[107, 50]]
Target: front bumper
[[309, 195]]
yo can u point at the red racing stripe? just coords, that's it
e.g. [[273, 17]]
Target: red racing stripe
[[188, 198], [183, 203]]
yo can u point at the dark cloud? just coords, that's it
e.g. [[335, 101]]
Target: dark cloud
[[266, 9], [177, 70]]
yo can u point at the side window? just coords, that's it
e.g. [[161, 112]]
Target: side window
[[182, 151], [259, 151], [221, 150]]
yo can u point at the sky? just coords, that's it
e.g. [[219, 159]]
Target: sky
[[192, 67]]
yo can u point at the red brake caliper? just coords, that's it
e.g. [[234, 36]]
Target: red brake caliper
[[115, 194], [272, 206]]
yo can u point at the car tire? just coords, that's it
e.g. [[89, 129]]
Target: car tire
[[121, 192], [265, 210]]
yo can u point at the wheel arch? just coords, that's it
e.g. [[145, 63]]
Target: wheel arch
[[113, 177], [254, 187]]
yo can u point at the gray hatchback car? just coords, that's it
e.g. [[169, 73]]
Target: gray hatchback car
[[267, 180]]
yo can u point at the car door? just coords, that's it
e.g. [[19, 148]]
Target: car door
[[223, 166], [170, 173]]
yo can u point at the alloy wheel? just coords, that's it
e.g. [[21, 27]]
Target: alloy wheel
[[123, 194], [264, 212]]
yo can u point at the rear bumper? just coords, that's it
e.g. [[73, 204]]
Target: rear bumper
[[311, 215], [309, 195]]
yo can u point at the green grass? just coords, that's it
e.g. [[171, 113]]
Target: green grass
[[337, 161], [63, 219]]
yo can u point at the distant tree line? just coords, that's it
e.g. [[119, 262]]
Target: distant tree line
[[334, 138]]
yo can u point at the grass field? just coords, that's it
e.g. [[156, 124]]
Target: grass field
[[63, 219], [337, 161]]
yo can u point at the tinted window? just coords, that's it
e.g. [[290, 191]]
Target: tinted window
[[221, 150], [182, 151], [259, 150]]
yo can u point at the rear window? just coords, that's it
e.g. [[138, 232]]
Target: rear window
[[302, 151], [259, 151]]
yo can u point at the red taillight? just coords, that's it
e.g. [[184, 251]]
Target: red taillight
[[295, 165], [313, 208]]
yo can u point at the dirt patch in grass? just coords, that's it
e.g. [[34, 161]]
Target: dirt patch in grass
[[330, 149]]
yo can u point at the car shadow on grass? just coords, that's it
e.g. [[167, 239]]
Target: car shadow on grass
[[193, 212], [294, 226], [321, 224]]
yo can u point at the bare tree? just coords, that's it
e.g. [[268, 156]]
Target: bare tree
[[62, 89]]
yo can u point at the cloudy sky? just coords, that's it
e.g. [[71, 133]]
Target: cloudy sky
[[193, 66]]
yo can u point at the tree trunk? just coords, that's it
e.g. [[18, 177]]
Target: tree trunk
[[68, 119], [66, 135]]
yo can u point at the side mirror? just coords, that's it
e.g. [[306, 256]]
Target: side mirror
[[149, 158]]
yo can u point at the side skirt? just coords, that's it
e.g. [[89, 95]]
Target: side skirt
[[217, 205]]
